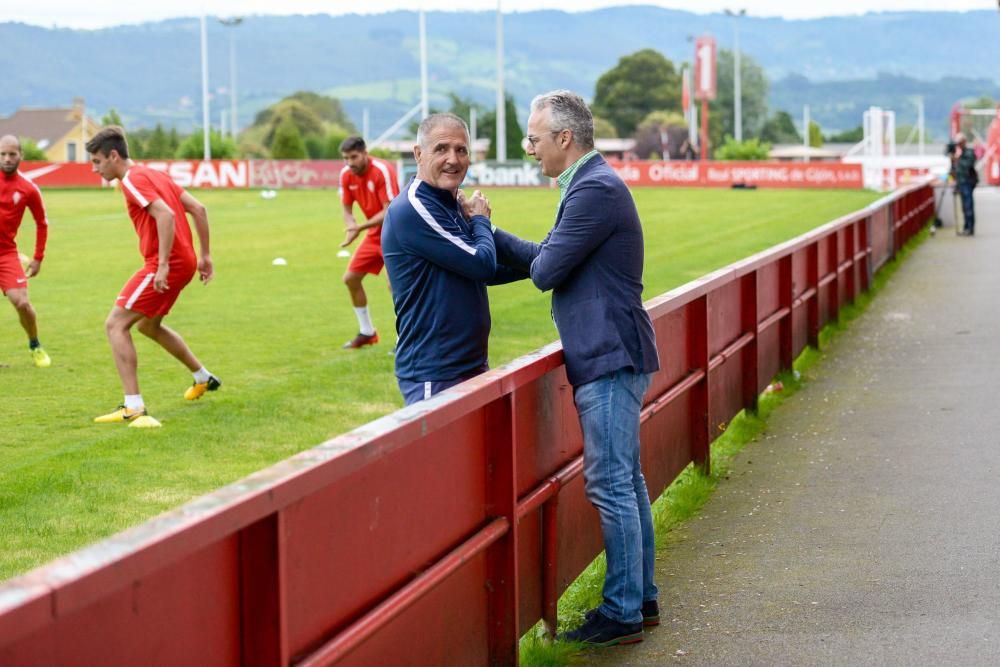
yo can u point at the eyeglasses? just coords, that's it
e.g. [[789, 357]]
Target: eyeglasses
[[533, 140]]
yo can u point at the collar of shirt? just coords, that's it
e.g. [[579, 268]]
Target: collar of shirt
[[564, 178], [445, 196]]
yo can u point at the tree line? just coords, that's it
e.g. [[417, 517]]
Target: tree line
[[638, 98]]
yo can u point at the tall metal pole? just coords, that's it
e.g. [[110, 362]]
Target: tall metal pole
[[704, 128], [920, 123], [738, 89], [472, 131], [501, 97], [805, 132], [233, 124], [424, 103], [737, 74], [694, 133], [204, 89], [232, 22]]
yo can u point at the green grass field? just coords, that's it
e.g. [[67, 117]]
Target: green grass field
[[273, 335]]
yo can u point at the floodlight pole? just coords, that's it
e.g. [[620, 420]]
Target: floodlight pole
[[424, 103], [472, 131], [737, 73], [704, 128], [501, 97], [204, 89], [805, 132], [920, 123], [232, 22]]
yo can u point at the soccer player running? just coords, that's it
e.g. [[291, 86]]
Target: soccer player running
[[16, 194], [372, 184], [158, 209]]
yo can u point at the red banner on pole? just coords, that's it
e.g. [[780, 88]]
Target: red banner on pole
[[704, 68]]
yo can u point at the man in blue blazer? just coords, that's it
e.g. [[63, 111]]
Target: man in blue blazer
[[592, 261]]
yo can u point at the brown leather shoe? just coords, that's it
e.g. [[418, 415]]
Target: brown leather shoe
[[360, 341]]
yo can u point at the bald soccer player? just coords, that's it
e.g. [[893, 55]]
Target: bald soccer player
[[16, 194]]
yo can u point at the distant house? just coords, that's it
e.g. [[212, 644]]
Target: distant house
[[61, 133]]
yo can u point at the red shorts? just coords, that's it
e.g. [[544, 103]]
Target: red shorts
[[368, 257], [139, 296], [11, 273]]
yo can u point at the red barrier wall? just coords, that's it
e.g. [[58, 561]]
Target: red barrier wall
[[326, 173], [440, 533], [202, 174], [726, 174]]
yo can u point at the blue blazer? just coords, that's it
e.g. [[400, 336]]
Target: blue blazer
[[592, 262]]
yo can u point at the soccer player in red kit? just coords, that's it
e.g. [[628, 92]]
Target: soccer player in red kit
[[372, 184], [158, 209], [16, 194]]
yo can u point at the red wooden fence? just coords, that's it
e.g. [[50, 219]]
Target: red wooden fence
[[440, 533]]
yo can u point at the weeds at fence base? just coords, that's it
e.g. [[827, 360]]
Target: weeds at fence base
[[692, 488]]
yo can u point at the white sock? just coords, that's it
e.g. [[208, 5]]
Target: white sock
[[201, 375], [364, 321], [133, 401]]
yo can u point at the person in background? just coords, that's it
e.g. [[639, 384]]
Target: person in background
[[963, 161], [372, 184], [16, 194]]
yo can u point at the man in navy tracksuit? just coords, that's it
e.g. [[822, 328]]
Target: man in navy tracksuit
[[439, 252], [592, 262]]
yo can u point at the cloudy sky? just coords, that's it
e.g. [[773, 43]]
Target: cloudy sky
[[101, 13]]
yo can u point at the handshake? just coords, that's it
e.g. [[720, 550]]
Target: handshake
[[477, 205]]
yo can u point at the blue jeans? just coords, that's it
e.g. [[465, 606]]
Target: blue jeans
[[609, 416], [968, 206]]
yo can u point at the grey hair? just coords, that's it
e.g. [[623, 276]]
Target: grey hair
[[959, 138], [569, 112], [433, 121]]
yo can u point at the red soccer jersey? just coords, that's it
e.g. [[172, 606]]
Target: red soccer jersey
[[141, 187], [16, 193], [372, 190]]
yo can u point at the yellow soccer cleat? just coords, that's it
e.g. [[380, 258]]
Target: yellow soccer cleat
[[122, 414], [144, 421], [41, 358], [198, 389]]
